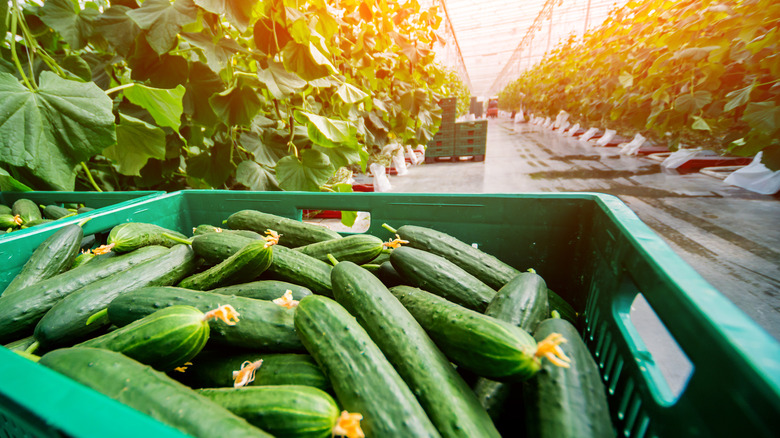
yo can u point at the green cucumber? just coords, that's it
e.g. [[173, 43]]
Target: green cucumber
[[208, 229], [388, 275], [487, 268], [216, 247], [53, 256], [36, 222], [163, 340], [283, 411], [66, 322], [383, 256], [262, 324], [264, 290], [442, 277], [362, 378], [214, 369], [4, 209], [20, 344], [56, 212], [295, 267], [522, 302], [148, 391], [560, 305], [446, 398], [83, 258], [84, 210], [357, 248], [133, 235], [22, 310], [567, 403], [27, 210], [293, 233], [485, 345], [245, 265], [9, 221]]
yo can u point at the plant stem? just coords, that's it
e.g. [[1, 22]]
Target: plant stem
[[119, 88], [89, 176], [14, 18], [389, 228]]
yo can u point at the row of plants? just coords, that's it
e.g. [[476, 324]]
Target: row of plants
[[686, 73], [161, 94]]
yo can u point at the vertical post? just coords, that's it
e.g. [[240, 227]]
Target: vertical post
[[549, 30], [587, 17]]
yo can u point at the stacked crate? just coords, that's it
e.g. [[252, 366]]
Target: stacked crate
[[471, 139], [443, 143]]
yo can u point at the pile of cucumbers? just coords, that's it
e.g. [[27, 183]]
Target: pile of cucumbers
[[24, 213], [274, 327]]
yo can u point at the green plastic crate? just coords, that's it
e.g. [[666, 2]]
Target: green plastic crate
[[99, 201], [591, 249], [469, 150], [445, 150]]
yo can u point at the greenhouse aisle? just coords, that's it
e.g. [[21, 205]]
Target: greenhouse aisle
[[729, 235]]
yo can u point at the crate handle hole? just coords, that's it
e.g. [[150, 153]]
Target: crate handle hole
[[334, 219]]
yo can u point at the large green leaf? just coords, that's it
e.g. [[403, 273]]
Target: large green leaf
[[236, 105], [165, 106], [255, 176], [270, 37], [341, 156], [237, 12], [136, 142], [10, 184], [117, 28], [329, 132], [763, 116], [307, 174], [279, 81], [203, 83], [264, 154], [78, 67], [166, 71], [739, 97], [690, 103], [306, 61], [50, 130], [73, 23], [163, 20], [217, 54], [214, 166], [350, 94]]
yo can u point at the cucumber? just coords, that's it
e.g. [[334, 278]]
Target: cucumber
[[84, 210], [388, 275], [571, 402], [383, 256], [133, 235], [214, 369], [446, 398], [264, 290], [163, 340], [294, 233], [362, 378], [4, 209], [485, 345], [208, 229], [216, 247], [36, 222], [53, 256], [295, 267], [262, 324], [65, 323], [283, 411], [20, 344], [487, 268], [27, 210], [56, 212], [22, 310], [83, 258], [560, 305], [442, 277], [245, 265], [10, 221], [521, 302], [148, 391], [357, 248]]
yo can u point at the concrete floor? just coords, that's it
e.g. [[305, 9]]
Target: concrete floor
[[729, 235]]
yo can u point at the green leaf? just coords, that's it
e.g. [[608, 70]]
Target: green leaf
[[136, 142], [165, 106], [264, 154], [3, 29], [74, 24], [166, 71], [237, 12], [340, 156], [307, 174], [348, 218], [350, 94], [763, 116], [700, 124], [279, 81], [9, 184], [739, 97], [236, 105], [162, 21], [117, 28], [330, 133], [771, 158], [51, 130], [626, 79], [213, 166], [270, 37], [203, 83], [78, 67], [256, 177], [217, 55], [690, 103], [306, 61]]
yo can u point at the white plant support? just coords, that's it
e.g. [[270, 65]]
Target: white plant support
[[562, 117], [572, 130], [609, 134], [519, 117], [412, 155], [563, 127], [588, 134], [547, 122], [381, 181], [681, 156], [632, 147], [399, 162], [756, 177]]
